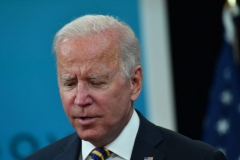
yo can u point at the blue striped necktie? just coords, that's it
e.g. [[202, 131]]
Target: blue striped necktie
[[100, 154]]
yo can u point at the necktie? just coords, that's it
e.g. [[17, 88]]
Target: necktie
[[100, 154]]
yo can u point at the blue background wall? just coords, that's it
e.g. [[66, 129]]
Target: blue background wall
[[31, 111]]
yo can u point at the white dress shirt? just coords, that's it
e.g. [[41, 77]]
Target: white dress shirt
[[121, 147]]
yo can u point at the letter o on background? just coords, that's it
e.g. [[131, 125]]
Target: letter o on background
[[23, 138]]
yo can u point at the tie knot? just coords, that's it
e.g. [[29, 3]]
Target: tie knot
[[100, 154]]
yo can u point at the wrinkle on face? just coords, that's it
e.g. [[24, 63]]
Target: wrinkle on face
[[101, 50], [102, 45], [83, 61]]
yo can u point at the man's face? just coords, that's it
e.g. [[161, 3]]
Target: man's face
[[96, 97]]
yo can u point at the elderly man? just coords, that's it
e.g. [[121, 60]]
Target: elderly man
[[100, 77]]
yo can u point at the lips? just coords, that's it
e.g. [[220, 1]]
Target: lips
[[86, 120]]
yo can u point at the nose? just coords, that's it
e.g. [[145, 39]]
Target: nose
[[82, 97]]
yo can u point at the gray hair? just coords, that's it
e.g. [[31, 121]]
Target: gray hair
[[95, 24]]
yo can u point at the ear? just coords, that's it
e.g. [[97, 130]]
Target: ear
[[136, 82]]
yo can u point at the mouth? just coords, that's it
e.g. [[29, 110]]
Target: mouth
[[86, 120]]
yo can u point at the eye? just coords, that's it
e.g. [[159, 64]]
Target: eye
[[69, 84], [97, 83]]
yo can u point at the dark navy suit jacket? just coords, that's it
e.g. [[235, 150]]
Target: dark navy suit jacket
[[151, 141]]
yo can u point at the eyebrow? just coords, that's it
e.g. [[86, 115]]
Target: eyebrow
[[66, 78], [98, 77]]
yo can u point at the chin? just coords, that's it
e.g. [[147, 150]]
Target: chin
[[92, 137], [87, 135]]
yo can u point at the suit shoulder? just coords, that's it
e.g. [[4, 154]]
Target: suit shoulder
[[172, 136], [52, 150], [181, 146]]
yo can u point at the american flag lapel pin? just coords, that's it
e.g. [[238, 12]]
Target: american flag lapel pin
[[148, 158]]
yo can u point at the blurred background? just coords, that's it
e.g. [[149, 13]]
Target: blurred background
[[190, 69]]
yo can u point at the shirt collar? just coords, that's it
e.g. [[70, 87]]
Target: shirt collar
[[118, 146]]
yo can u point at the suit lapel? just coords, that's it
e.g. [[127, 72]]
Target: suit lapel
[[148, 138], [71, 149]]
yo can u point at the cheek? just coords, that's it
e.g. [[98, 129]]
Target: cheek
[[67, 101], [119, 100]]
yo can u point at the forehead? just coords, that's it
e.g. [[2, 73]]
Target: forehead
[[93, 48]]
